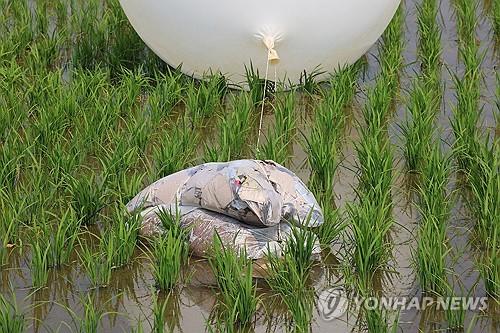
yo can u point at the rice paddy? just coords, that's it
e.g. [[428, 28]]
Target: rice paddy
[[401, 150]]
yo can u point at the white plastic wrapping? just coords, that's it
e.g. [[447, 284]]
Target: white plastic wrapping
[[226, 35], [249, 203]]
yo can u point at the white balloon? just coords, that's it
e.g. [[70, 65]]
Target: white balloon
[[226, 35]]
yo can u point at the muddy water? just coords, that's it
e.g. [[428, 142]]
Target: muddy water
[[129, 297]]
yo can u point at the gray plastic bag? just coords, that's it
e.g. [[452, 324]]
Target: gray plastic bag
[[203, 225], [238, 189], [260, 193]]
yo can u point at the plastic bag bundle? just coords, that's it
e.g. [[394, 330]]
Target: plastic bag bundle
[[299, 204], [247, 202], [204, 224]]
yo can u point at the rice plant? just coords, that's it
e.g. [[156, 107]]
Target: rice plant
[[63, 239], [204, 98], [39, 263], [419, 130], [92, 316], [234, 274], [98, 264], [88, 196], [288, 281], [166, 94], [333, 226], [432, 240], [11, 317], [159, 309], [466, 113], [371, 247], [323, 144], [166, 312], [9, 228], [176, 149], [170, 251], [308, 81], [378, 321], [391, 51], [123, 235], [495, 19], [280, 136], [255, 84], [483, 180], [466, 20], [488, 265], [233, 130], [429, 39]]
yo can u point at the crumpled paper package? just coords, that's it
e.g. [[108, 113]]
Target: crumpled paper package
[[238, 189], [203, 225], [249, 203], [298, 201]]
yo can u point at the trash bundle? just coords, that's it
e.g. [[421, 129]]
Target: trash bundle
[[248, 203]]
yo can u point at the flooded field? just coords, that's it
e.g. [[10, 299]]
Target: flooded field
[[400, 149]]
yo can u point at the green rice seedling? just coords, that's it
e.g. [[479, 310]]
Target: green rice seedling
[[92, 316], [455, 313], [98, 265], [159, 310], [255, 84], [204, 98], [123, 234], [489, 268], [429, 42], [418, 132], [91, 26], [10, 158], [323, 144], [495, 19], [166, 94], [285, 117], [9, 227], [11, 317], [63, 238], [168, 255], [273, 149], [233, 130], [300, 247], [332, 227], [371, 246], [465, 114], [39, 263], [378, 321], [128, 185], [117, 161], [308, 81], [391, 51], [88, 196], [285, 278], [434, 206], [280, 136], [233, 272], [466, 20], [483, 180], [176, 150], [169, 252]]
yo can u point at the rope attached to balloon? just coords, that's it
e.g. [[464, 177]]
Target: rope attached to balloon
[[272, 56]]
